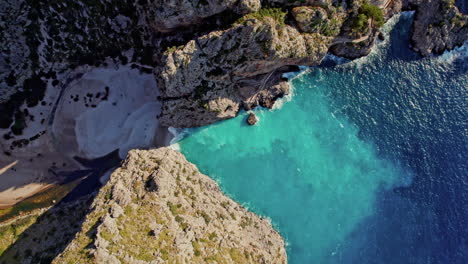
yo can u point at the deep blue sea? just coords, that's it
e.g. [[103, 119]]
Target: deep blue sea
[[365, 163]]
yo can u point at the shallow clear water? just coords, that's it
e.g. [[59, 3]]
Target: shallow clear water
[[365, 164]]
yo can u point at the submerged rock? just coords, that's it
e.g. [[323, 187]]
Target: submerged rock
[[252, 119]]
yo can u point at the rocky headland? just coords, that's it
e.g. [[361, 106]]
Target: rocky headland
[[156, 208], [438, 26]]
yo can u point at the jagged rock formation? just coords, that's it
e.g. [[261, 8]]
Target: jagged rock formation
[[158, 208], [362, 27], [211, 77], [251, 119], [438, 26], [166, 16], [212, 59], [215, 75], [316, 19]]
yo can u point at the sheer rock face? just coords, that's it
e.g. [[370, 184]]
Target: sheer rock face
[[157, 208], [438, 26], [212, 77], [356, 50], [166, 16]]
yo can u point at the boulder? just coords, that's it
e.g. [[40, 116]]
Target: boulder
[[251, 119]]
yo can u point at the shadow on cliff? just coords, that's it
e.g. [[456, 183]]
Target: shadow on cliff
[[54, 230], [50, 234]]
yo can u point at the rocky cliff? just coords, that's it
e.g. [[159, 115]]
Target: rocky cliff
[[213, 76], [438, 26], [167, 16], [158, 208], [211, 58]]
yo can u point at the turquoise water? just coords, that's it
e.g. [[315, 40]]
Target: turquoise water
[[347, 169]]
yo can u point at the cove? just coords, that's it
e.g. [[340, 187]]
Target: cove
[[365, 164]]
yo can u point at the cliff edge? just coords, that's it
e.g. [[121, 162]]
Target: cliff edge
[[158, 208]]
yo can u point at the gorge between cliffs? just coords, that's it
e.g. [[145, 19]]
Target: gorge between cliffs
[[332, 131]]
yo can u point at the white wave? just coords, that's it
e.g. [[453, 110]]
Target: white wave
[[174, 146], [287, 98], [448, 57], [381, 46], [178, 134], [336, 59], [292, 75]]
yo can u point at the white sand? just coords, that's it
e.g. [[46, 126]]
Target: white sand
[[126, 120]]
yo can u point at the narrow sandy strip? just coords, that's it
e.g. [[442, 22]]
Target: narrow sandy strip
[[4, 169]]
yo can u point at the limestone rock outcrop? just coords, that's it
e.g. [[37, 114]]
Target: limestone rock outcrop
[[158, 208], [166, 16], [212, 77], [316, 19], [438, 26], [207, 66], [251, 119]]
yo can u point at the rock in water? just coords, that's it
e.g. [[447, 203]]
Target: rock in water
[[381, 36], [252, 119], [158, 208]]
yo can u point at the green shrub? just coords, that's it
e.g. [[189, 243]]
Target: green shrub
[[212, 236], [276, 13], [367, 11], [373, 12], [175, 209], [205, 216], [360, 22]]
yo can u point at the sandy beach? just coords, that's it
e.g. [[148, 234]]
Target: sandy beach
[[103, 110]]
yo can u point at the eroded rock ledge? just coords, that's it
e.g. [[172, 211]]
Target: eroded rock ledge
[[158, 208]]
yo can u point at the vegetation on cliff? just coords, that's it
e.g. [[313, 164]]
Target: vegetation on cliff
[[158, 207], [276, 13], [367, 11]]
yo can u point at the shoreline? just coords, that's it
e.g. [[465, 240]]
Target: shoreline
[[44, 161]]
